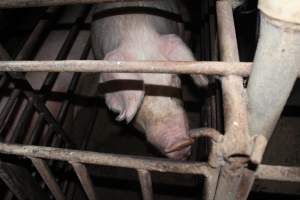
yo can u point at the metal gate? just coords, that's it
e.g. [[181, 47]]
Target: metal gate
[[235, 158]]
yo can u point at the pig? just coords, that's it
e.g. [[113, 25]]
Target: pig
[[137, 31]]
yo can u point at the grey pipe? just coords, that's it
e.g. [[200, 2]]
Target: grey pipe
[[276, 64]]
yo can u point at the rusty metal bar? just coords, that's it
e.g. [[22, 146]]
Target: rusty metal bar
[[48, 177], [210, 184], [233, 184], [146, 184], [85, 180], [278, 173], [40, 3], [236, 138], [161, 165], [209, 68]]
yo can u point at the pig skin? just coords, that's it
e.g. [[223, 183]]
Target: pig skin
[[141, 36]]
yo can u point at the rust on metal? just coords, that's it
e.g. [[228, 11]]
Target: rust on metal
[[236, 140], [135, 162], [200, 67], [278, 173], [233, 181], [207, 132]]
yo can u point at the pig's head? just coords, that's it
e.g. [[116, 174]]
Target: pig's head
[[161, 118]]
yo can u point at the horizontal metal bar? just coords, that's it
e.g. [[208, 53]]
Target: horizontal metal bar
[[48, 177], [135, 162], [146, 184], [278, 173], [39, 3], [85, 180], [209, 68]]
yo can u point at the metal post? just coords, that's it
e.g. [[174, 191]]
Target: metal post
[[146, 184]]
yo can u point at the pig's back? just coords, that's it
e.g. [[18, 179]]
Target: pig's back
[[110, 26]]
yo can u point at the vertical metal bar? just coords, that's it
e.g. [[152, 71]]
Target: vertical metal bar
[[210, 184], [146, 184], [48, 177], [85, 180], [237, 140], [233, 184]]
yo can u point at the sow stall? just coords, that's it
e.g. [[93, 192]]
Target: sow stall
[[235, 157]]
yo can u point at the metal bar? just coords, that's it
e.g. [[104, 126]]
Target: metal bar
[[48, 177], [8, 107], [161, 165], [278, 173], [26, 53], [200, 67], [39, 3], [42, 27], [20, 129], [66, 47], [228, 183], [233, 184], [146, 184], [210, 184], [85, 180], [236, 139], [19, 180]]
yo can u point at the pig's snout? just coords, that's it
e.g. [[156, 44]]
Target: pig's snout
[[175, 145]]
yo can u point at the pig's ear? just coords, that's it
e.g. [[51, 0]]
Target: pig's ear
[[125, 102], [175, 49]]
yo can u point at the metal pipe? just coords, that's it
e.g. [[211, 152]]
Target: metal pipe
[[40, 3], [202, 67], [135, 162], [278, 173], [85, 180], [146, 184], [48, 177], [35, 37], [276, 65], [233, 182], [236, 140]]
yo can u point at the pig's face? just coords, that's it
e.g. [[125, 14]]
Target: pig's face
[[164, 121]]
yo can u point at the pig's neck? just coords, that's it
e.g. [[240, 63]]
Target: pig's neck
[[141, 44]]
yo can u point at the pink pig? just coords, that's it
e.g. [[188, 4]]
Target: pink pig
[[136, 31]]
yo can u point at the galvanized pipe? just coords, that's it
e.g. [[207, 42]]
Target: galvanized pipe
[[276, 64]]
